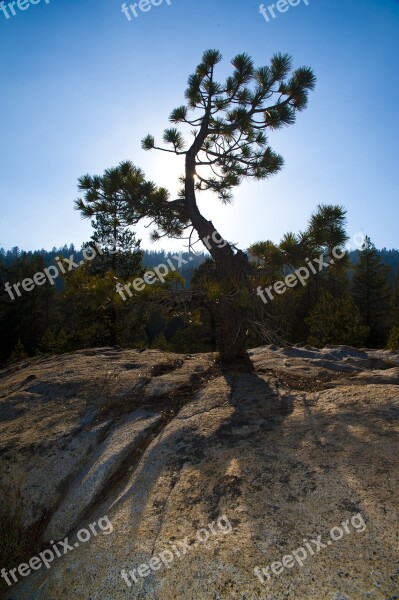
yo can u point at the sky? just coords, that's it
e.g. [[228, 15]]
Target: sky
[[82, 85]]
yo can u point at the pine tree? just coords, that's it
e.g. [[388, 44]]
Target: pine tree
[[112, 220], [29, 314], [105, 200], [18, 353], [372, 294], [326, 235], [229, 121], [160, 343], [393, 340], [336, 321]]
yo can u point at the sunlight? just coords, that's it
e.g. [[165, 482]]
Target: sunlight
[[165, 169]]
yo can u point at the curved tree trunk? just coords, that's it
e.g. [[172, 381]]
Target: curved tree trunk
[[231, 316], [232, 274]]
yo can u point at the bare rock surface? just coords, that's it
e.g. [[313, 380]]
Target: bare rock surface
[[166, 446]]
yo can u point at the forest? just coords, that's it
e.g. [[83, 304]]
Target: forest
[[355, 302]]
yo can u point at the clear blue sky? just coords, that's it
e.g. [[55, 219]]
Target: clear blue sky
[[81, 85]]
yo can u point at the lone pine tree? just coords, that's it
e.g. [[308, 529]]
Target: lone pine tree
[[228, 123]]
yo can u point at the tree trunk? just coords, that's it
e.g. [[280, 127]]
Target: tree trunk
[[232, 275], [231, 316], [231, 336]]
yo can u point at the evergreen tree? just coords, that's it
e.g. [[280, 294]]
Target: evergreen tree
[[160, 343], [54, 342], [105, 200], [326, 234], [229, 122], [25, 316], [112, 219], [336, 321], [326, 228], [372, 294], [395, 297], [393, 340], [18, 353]]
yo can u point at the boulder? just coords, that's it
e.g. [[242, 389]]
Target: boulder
[[208, 479]]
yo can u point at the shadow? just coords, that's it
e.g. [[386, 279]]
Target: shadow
[[281, 467], [284, 469]]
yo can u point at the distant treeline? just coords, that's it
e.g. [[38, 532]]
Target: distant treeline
[[152, 258]]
